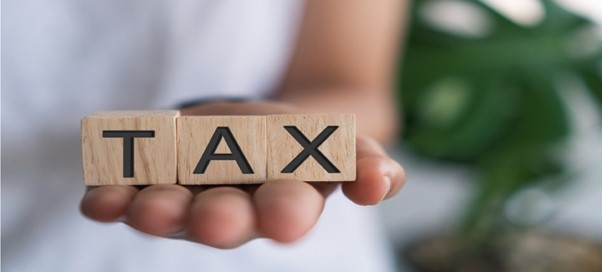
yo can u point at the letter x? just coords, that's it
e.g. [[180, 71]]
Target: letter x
[[310, 148]]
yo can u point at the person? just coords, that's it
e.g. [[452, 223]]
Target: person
[[65, 59]]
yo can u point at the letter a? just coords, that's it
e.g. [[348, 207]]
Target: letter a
[[235, 155]]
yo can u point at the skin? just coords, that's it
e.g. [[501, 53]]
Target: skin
[[343, 62]]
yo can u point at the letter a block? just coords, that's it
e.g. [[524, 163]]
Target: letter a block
[[221, 149], [311, 147], [129, 148]]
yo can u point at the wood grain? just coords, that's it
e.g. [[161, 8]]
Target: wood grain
[[155, 159], [338, 148], [194, 134]]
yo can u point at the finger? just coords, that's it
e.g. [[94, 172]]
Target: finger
[[378, 177], [325, 188], [222, 217], [160, 209], [107, 203], [287, 209]]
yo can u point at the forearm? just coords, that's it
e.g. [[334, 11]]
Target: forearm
[[345, 61]]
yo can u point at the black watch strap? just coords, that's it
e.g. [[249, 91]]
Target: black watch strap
[[202, 101]]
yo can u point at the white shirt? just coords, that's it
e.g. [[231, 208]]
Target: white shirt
[[63, 59]]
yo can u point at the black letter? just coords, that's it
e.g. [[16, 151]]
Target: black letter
[[128, 146], [209, 154], [310, 149]]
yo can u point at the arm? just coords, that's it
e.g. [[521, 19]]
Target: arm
[[343, 63], [348, 49]]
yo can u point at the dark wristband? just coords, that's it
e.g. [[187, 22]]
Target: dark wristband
[[203, 101]]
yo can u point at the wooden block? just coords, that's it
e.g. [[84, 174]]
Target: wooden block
[[221, 149], [129, 147], [311, 147]]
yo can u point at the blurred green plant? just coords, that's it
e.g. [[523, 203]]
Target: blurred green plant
[[493, 101]]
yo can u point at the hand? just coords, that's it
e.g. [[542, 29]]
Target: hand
[[229, 216]]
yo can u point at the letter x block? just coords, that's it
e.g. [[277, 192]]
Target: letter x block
[[311, 147], [221, 149], [129, 147]]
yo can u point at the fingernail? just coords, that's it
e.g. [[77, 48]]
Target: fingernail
[[387, 181], [179, 234]]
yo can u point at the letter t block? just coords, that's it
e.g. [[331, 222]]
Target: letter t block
[[129, 148]]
